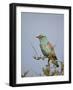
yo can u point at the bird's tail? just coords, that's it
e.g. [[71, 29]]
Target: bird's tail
[[56, 63]]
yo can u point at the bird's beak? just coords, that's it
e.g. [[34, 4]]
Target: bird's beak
[[37, 36]]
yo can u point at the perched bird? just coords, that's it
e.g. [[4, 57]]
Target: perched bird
[[47, 49]]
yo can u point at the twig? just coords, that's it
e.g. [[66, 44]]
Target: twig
[[34, 49], [40, 57]]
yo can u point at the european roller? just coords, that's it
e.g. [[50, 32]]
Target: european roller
[[47, 49]]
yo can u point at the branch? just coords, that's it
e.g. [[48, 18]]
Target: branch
[[39, 57]]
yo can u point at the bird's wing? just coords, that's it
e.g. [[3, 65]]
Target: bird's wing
[[54, 54], [52, 50], [50, 45]]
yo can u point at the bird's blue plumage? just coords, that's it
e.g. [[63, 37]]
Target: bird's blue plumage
[[47, 49], [44, 46]]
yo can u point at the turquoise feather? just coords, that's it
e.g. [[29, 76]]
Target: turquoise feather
[[47, 49]]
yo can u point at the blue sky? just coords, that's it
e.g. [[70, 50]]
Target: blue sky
[[33, 24]]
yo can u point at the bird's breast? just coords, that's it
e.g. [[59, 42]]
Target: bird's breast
[[45, 49]]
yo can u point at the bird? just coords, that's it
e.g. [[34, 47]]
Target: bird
[[47, 49]]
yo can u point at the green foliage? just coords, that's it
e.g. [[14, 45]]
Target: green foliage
[[24, 75], [47, 70]]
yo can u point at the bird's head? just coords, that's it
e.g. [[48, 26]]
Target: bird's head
[[40, 36]]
